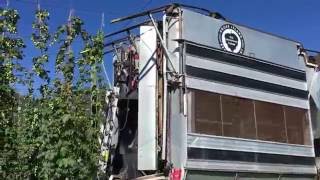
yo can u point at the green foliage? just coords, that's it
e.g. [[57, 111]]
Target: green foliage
[[69, 130], [69, 143], [9, 20], [53, 136], [10, 46], [10, 53], [31, 111], [41, 40]]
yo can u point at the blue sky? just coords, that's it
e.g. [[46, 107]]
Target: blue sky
[[294, 19]]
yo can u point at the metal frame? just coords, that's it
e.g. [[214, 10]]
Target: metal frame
[[215, 87], [248, 145], [165, 95], [177, 131], [231, 166], [244, 72], [162, 42], [168, 8]]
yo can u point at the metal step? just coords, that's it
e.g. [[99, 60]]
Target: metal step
[[159, 176]]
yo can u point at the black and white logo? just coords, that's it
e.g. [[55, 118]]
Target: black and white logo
[[231, 39]]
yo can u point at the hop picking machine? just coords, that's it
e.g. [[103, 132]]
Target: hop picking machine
[[197, 96]]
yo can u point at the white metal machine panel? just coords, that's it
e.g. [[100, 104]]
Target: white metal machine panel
[[147, 152], [255, 43], [244, 72], [250, 167], [231, 90], [248, 145], [314, 90]]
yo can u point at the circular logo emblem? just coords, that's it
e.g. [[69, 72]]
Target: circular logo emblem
[[231, 39]]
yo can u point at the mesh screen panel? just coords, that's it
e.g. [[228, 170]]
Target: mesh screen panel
[[222, 115], [207, 113], [270, 122], [238, 117]]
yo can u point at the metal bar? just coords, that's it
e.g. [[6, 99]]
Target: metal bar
[[106, 75], [162, 42], [306, 60], [309, 50], [116, 41], [165, 96], [111, 50], [159, 9], [194, 7], [144, 13], [107, 52], [249, 167], [212, 142], [126, 29]]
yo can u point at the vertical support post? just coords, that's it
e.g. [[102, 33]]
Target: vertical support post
[[177, 128], [102, 21], [103, 65], [165, 96], [38, 5]]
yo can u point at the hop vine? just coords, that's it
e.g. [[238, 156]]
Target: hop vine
[[54, 134], [11, 52]]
